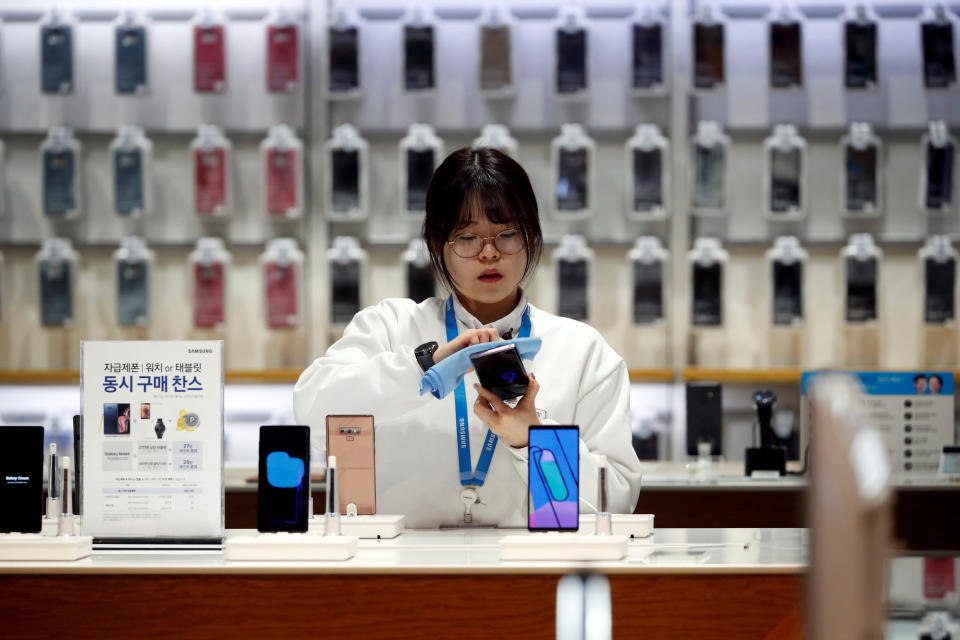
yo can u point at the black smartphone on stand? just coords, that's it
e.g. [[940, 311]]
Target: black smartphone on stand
[[501, 370], [283, 481], [21, 479]]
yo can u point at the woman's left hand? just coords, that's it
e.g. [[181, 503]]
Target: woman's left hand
[[511, 425]]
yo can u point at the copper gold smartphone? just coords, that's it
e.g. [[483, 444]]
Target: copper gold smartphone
[[351, 440]]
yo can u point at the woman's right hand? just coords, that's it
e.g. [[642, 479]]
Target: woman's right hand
[[464, 340]]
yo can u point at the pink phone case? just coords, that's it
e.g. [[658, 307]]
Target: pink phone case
[[210, 176], [208, 302], [281, 181], [209, 75], [281, 295], [282, 66]]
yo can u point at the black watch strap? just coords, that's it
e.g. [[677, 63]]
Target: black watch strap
[[424, 354]]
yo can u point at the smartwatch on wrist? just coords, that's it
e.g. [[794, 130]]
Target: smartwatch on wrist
[[424, 354]]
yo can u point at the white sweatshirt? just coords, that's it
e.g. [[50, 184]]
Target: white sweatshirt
[[372, 370]]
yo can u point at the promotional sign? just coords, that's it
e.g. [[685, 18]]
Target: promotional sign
[[152, 440], [913, 410]]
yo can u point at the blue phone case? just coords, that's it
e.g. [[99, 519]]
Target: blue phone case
[[133, 293], [56, 296], [56, 59], [128, 172], [131, 59], [59, 195]]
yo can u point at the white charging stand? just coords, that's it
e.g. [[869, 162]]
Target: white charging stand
[[632, 525], [372, 527], [290, 546], [559, 545], [35, 546]]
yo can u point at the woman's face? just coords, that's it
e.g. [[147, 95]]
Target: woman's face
[[491, 276]]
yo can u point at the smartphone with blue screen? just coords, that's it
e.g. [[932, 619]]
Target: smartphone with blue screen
[[283, 481], [553, 476]]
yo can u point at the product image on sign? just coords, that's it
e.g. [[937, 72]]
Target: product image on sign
[[116, 419], [553, 478]]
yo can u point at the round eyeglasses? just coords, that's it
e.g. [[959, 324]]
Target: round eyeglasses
[[469, 245]]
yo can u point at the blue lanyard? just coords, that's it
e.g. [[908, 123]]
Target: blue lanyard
[[467, 477]]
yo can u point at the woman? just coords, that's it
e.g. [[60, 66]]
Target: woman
[[483, 232]]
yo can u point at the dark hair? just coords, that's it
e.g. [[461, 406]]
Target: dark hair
[[920, 376], [939, 379], [468, 178]]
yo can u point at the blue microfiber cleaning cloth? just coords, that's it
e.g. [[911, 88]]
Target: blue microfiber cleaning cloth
[[443, 377]]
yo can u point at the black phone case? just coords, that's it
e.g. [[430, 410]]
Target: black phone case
[[501, 372]]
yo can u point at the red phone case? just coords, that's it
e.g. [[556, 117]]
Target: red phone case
[[281, 296], [208, 301], [210, 179], [209, 70], [281, 181], [283, 72]]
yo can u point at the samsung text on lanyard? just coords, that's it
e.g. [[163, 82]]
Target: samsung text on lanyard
[[468, 478]]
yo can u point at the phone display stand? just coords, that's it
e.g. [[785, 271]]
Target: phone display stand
[[290, 546], [374, 527], [560, 545], [788, 333], [36, 546], [709, 343], [938, 334], [863, 347], [632, 525]]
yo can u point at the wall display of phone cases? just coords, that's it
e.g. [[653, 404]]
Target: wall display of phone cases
[[131, 153], [647, 68], [785, 44], [709, 69], [60, 169], [938, 178], [56, 54], [56, 268], [648, 260], [282, 156], [283, 54], [572, 158], [130, 56], [282, 267], [861, 260], [710, 146], [209, 263], [209, 56], [860, 46], [573, 259], [420, 153], [347, 183], [133, 264], [496, 136], [787, 262], [347, 261], [419, 73], [707, 261], [939, 56], [212, 174], [648, 173], [571, 48], [496, 57], [862, 179], [344, 58], [938, 263], [421, 283], [785, 170]]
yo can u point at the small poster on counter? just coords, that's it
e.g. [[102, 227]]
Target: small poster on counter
[[913, 410], [153, 440]]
